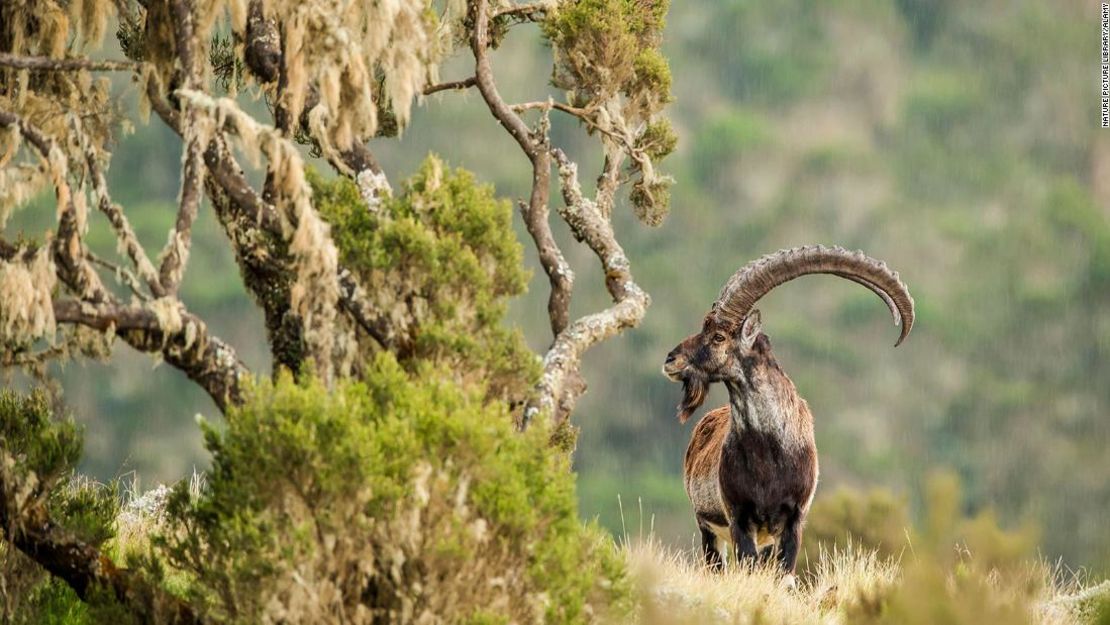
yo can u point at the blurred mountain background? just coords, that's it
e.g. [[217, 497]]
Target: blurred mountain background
[[957, 141]]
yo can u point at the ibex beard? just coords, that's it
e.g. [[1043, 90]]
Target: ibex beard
[[751, 467]]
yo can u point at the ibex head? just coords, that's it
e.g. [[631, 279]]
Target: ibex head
[[731, 339]]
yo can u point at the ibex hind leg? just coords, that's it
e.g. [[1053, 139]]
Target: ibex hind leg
[[790, 543], [713, 560], [767, 554], [714, 536]]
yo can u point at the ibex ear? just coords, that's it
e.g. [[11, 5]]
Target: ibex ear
[[750, 329]]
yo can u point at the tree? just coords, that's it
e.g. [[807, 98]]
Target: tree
[[344, 269]]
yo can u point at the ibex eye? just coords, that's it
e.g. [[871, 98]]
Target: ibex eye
[[718, 338]]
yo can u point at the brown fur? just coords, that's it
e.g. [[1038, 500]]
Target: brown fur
[[703, 455]]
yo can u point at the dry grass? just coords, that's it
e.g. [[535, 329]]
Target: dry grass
[[854, 586], [849, 586], [676, 588]]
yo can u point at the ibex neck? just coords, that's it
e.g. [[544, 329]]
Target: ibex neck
[[760, 407]]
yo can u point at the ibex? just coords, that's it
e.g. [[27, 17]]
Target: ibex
[[751, 467]]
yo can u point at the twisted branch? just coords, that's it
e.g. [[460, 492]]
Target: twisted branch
[[122, 227], [454, 85], [206, 360], [561, 385], [253, 225], [176, 253], [536, 212]]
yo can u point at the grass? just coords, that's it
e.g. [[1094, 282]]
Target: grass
[[850, 586], [854, 585]]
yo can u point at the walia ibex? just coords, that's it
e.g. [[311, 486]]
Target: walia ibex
[[751, 467]]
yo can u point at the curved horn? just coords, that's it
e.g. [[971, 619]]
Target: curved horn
[[760, 276]]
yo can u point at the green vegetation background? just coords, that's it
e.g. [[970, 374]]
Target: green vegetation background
[[957, 141]]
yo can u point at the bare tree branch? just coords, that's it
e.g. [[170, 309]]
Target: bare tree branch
[[9, 251], [106, 316], [357, 159], [264, 59], [526, 11], [560, 385], [176, 253], [254, 231], [535, 213], [483, 75], [122, 227], [253, 227], [263, 46], [46, 63], [454, 85], [581, 113], [122, 273], [355, 301], [207, 360]]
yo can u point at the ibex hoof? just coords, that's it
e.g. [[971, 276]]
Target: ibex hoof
[[788, 582]]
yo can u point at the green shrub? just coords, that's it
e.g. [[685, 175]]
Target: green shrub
[[387, 501], [37, 457], [873, 520], [442, 261], [609, 47]]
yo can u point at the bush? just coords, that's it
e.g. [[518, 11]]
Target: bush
[[37, 457], [609, 47], [441, 260], [391, 500], [875, 520]]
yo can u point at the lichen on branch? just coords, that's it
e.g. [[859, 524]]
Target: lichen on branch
[[315, 290]]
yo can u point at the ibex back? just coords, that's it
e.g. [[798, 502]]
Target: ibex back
[[751, 467]]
